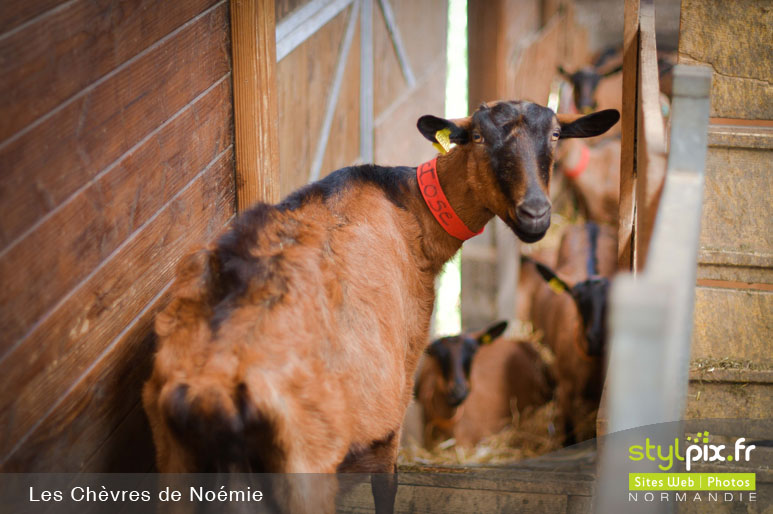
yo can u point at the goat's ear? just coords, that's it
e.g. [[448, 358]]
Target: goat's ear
[[492, 332], [614, 70], [459, 129], [593, 124], [553, 280], [567, 76]]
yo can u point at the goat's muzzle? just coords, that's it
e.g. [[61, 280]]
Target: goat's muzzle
[[532, 219]]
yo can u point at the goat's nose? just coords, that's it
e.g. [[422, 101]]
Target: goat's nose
[[457, 395], [532, 210]]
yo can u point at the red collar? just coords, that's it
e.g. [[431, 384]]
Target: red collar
[[438, 204], [580, 168]]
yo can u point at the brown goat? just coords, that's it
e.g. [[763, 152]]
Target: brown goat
[[290, 346], [470, 386], [572, 320], [594, 174]]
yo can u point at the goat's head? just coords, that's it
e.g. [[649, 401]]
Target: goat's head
[[590, 296], [454, 355], [509, 149], [584, 83]]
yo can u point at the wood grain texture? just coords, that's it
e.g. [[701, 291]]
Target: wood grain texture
[[14, 13], [398, 142], [304, 78], [68, 339], [651, 149], [735, 224], [532, 69], [81, 402], [486, 50], [56, 56], [253, 33], [628, 136], [104, 214], [733, 324], [738, 399], [95, 127], [735, 39]]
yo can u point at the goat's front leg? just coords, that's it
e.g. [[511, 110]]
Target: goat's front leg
[[383, 483]]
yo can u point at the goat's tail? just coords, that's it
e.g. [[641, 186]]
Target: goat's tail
[[220, 425]]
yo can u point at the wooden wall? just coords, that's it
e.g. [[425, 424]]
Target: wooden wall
[[116, 156], [732, 373], [306, 79]]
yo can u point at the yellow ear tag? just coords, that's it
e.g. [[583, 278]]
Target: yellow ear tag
[[556, 286], [443, 144], [486, 339]]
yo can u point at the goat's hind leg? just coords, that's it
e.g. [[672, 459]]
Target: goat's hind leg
[[380, 460]]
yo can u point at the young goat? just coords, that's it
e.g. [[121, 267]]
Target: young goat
[[572, 320], [290, 346], [471, 385]]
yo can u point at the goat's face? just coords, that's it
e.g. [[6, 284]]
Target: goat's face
[[454, 356], [510, 154], [584, 83]]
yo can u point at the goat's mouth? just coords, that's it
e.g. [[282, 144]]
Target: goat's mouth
[[529, 231]]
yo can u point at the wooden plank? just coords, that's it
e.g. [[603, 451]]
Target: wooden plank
[[734, 38], [301, 24], [128, 449], [343, 144], [343, 62], [366, 82], [651, 152], [737, 209], [14, 13], [67, 340], [533, 69], [412, 498], [56, 56], [628, 136], [283, 8], [709, 400], [75, 412], [303, 79], [485, 50], [44, 266], [398, 142], [733, 324], [98, 125], [255, 102]]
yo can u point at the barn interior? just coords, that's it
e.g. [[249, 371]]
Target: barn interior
[[134, 131]]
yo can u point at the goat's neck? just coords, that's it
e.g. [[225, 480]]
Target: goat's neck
[[452, 170]]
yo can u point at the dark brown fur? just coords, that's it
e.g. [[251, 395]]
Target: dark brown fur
[[579, 376]]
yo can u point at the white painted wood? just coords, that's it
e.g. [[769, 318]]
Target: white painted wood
[[332, 99], [296, 28], [397, 42]]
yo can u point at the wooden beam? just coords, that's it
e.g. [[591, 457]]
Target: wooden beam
[[651, 141], [628, 136], [366, 81], [256, 111], [299, 26]]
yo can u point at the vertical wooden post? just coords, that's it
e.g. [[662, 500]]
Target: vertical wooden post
[[625, 222], [256, 108]]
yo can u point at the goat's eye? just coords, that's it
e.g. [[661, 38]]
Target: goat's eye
[[476, 137], [555, 136]]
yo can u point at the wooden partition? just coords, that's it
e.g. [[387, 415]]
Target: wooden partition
[[116, 156], [643, 138]]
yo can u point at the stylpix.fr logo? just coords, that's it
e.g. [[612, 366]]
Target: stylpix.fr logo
[[699, 451]]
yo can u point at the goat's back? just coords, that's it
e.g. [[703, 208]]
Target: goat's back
[[288, 337]]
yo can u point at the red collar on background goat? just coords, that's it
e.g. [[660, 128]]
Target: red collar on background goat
[[578, 170], [438, 204]]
